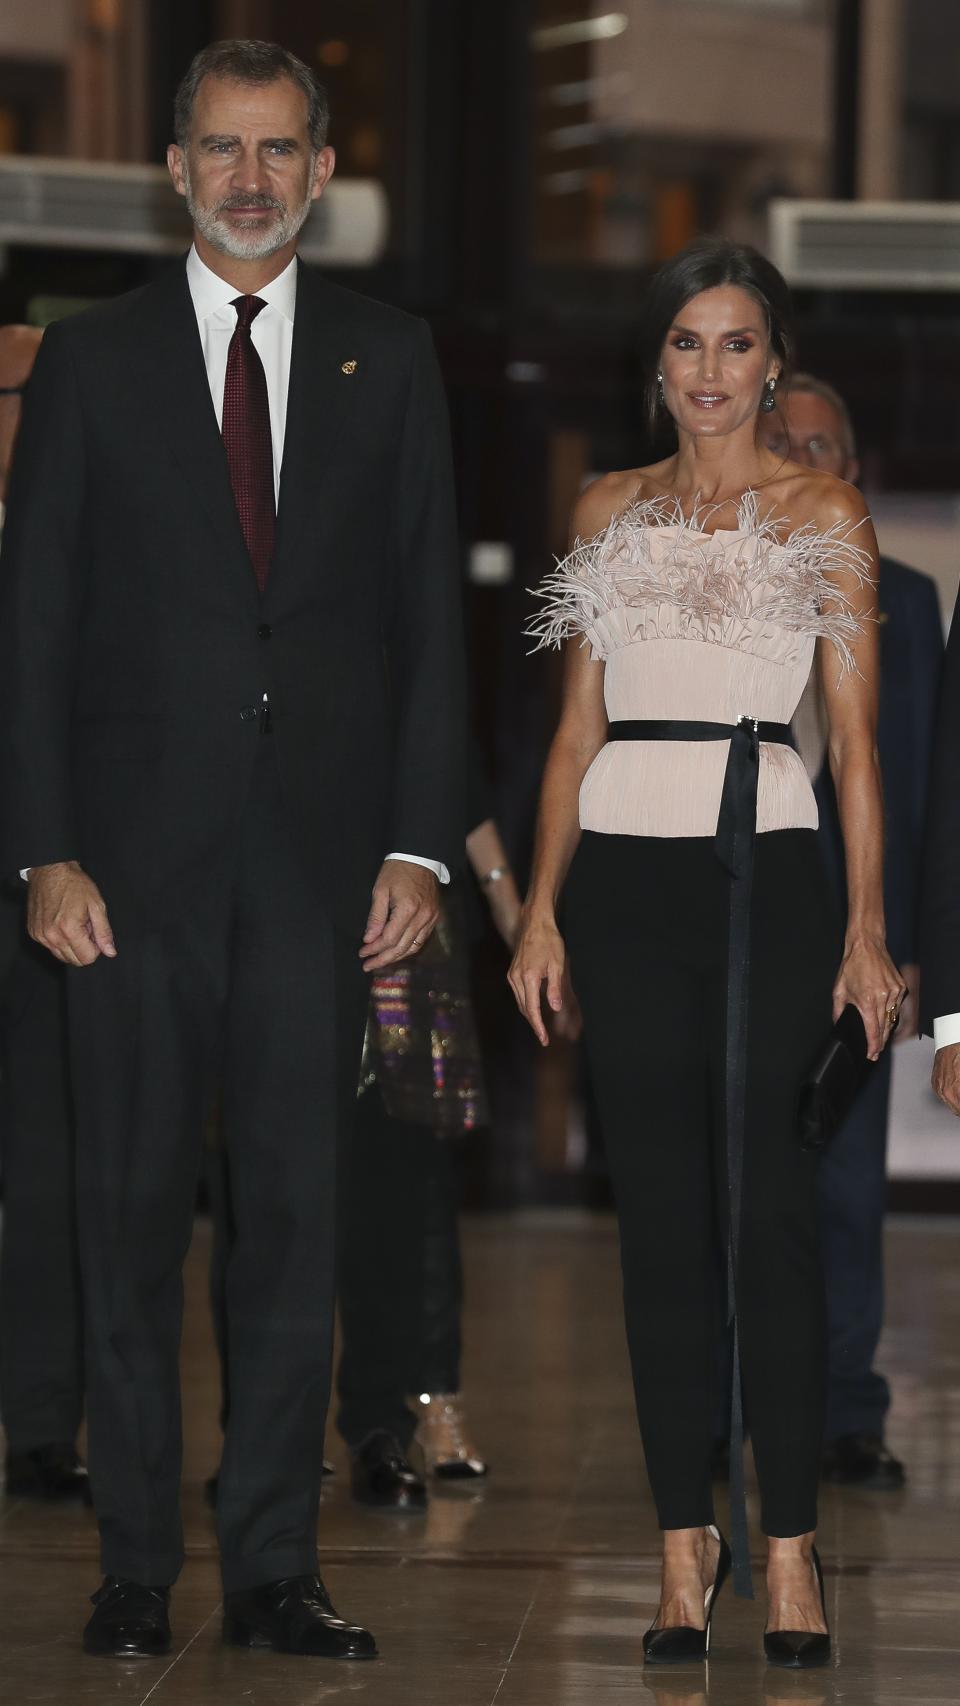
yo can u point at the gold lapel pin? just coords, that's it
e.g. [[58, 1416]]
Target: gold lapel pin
[[349, 367]]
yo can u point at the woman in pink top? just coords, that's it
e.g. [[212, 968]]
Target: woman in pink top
[[679, 823]]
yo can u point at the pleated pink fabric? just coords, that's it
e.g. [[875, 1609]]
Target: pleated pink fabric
[[707, 625]]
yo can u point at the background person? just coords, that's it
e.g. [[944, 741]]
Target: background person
[[704, 954], [41, 1342], [401, 1286], [813, 427], [219, 757]]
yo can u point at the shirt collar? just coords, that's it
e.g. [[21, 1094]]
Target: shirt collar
[[211, 293]]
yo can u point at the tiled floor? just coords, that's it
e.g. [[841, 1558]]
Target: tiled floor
[[536, 1591]]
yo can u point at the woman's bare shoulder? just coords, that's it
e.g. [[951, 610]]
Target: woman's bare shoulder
[[826, 501], [610, 495]]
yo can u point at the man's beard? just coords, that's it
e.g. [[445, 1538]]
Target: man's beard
[[259, 242]]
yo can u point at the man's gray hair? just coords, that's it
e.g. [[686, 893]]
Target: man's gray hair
[[256, 62], [813, 387]]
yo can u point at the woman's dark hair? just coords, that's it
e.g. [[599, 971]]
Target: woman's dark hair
[[703, 265]]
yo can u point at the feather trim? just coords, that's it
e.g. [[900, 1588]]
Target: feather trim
[[652, 554]]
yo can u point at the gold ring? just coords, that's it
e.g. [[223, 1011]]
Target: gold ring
[[893, 1013]]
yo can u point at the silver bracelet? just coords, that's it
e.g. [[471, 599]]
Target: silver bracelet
[[494, 875]]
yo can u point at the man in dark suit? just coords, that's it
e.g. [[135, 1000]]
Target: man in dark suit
[[818, 432], [41, 1351], [940, 923], [231, 679]]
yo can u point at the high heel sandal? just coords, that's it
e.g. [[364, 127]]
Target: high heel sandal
[[684, 1645], [798, 1649]]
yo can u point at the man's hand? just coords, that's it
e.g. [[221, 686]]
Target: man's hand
[[406, 906], [946, 1076], [66, 913]]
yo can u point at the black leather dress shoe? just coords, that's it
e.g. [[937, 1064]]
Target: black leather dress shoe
[[862, 1460], [130, 1622], [48, 1472], [293, 1616], [380, 1475]]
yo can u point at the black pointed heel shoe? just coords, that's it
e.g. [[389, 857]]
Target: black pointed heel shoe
[[683, 1645], [797, 1649]]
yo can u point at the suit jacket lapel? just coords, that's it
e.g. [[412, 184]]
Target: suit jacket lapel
[[178, 380], [324, 391]]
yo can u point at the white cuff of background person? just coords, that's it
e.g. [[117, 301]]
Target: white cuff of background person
[[946, 1030]]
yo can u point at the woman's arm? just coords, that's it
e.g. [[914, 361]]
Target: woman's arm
[[580, 734], [867, 977], [491, 867]]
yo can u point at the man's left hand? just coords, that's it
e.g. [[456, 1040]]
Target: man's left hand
[[406, 906], [946, 1076]]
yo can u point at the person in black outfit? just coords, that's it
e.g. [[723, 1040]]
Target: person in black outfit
[[400, 1269], [940, 888], [814, 428], [232, 711], [678, 823], [41, 1351]]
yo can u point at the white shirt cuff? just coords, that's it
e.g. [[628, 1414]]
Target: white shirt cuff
[[25, 874], [440, 871], [946, 1030]]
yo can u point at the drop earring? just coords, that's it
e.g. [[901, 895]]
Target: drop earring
[[769, 400], [660, 389]]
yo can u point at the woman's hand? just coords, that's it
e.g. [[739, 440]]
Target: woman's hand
[[870, 981], [539, 960]]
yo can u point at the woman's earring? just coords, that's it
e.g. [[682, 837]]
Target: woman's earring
[[660, 388], [769, 401]]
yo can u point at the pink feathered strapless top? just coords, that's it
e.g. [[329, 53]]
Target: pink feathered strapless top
[[704, 625]]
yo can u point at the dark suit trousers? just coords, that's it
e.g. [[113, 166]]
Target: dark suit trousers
[[41, 1351], [853, 1191], [251, 988], [382, 1273]]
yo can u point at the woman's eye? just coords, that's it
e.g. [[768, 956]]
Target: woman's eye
[[739, 345], [685, 343]]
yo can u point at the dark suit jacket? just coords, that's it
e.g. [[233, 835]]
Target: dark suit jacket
[[135, 648], [940, 909], [911, 652]]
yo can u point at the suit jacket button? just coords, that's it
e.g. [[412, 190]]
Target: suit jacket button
[[264, 632], [248, 714]]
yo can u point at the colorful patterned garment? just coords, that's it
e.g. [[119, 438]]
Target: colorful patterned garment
[[421, 1045]]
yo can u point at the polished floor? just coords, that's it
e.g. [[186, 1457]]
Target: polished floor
[[536, 1591]]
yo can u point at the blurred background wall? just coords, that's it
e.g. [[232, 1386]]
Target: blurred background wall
[[519, 166]]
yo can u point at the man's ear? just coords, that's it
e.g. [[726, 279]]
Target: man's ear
[[175, 168], [851, 472], [323, 170]]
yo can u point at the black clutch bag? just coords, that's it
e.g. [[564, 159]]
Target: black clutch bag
[[833, 1082]]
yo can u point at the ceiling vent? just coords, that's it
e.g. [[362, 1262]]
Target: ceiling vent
[[867, 245], [78, 204]]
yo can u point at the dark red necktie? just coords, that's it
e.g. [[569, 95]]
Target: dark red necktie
[[247, 440]]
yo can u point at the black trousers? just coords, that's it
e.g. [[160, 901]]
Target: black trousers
[[646, 923], [41, 1342], [251, 988], [400, 1274]]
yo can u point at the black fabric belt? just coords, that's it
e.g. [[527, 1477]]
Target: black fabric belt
[[734, 844]]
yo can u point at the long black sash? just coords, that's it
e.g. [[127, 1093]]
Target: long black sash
[[734, 844]]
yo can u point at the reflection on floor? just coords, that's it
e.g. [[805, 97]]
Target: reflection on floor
[[537, 1590]]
